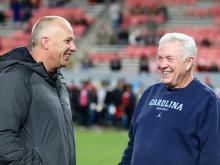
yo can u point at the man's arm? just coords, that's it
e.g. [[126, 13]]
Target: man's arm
[[14, 102], [127, 155], [126, 158], [209, 134]]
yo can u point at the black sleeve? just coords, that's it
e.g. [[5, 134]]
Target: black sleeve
[[14, 102]]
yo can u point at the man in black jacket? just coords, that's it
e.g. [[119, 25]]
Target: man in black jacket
[[35, 121]]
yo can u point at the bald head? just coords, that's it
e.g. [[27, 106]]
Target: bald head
[[52, 42], [45, 26]]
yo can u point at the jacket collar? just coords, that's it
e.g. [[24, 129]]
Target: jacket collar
[[21, 55]]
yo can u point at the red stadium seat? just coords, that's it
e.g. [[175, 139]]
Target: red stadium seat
[[138, 51], [208, 55], [102, 56]]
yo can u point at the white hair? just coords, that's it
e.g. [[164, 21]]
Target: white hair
[[188, 44]]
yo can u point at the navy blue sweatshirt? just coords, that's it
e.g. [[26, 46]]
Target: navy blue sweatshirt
[[175, 127]]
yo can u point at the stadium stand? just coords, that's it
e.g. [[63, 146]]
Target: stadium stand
[[181, 17], [155, 17], [20, 36], [127, 29]]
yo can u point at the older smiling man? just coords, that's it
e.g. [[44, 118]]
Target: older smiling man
[[177, 121]]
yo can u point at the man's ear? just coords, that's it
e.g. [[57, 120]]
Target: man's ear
[[45, 42], [189, 63]]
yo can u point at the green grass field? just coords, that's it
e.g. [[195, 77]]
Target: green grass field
[[97, 146]]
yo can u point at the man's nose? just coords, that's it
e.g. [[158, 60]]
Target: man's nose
[[72, 46]]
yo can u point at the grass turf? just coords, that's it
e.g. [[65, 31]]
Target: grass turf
[[98, 146]]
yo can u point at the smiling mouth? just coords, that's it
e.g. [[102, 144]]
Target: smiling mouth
[[67, 56], [166, 73]]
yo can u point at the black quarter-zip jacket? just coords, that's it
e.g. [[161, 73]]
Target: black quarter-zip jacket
[[35, 115]]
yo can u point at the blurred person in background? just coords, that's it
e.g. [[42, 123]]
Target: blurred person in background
[[116, 63], [74, 90], [144, 64], [175, 121], [15, 6], [115, 15], [27, 8], [213, 67], [36, 120], [117, 101], [128, 103], [2, 16]]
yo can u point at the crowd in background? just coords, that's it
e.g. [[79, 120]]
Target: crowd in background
[[107, 103], [17, 18], [104, 103], [123, 32], [131, 28]]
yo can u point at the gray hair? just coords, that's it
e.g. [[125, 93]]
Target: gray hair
[[41, 25], [188, 44]]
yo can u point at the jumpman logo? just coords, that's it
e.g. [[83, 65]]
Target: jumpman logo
[[159, 115]]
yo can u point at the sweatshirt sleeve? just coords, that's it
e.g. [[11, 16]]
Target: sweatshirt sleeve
[[209, 134], [127, 155], [14, 102], [126, 158]]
